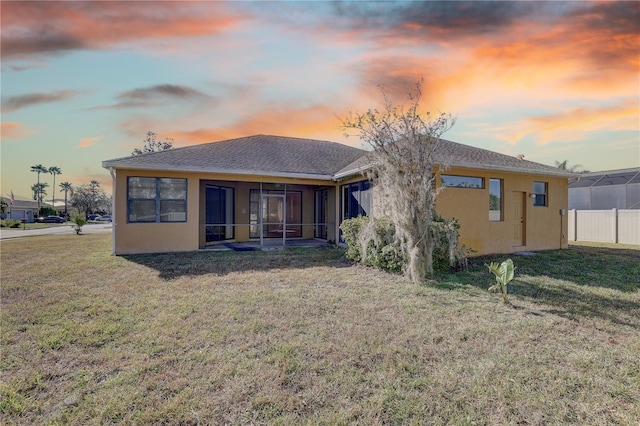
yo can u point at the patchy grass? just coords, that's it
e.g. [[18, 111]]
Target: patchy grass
[[303, 337], [34, 225]]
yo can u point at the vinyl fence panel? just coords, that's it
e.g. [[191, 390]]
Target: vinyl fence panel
[[629, 226], [609, 226]]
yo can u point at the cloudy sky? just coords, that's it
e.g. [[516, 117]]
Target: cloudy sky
[[83, 82]]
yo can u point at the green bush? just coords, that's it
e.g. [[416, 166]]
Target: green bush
[[11, 223], [372, 242], [447, 252], [78, 222], [350, 230], [47, 211]]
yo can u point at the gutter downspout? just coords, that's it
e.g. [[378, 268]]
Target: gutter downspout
[[113, 210]]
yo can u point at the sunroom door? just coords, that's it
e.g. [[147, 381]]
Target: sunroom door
[[219, 213], [272, 215]]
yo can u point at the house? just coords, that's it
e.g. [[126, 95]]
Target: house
[[612, 189], [271, 188], [20, 209]]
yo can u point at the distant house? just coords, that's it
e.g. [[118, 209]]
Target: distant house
[[611, 189], [272, 188], [20, 209]]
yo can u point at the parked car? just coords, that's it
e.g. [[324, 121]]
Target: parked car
[[93, 217], [54, 219], [105, 218]]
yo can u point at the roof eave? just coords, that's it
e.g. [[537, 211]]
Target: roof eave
[[559, 173], [164, 168]]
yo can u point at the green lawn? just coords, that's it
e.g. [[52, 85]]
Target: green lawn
[[303, 337], [38, 225]]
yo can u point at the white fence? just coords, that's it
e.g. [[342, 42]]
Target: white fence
[[608, 226]]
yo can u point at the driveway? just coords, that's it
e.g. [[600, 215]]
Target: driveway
[[63, 229]]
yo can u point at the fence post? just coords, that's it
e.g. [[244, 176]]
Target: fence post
[[615, 225], [573, 214]]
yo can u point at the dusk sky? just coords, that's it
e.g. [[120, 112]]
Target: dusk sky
[[83, 82]]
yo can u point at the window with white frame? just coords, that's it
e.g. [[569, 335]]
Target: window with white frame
[[540, 192], [154, 200]]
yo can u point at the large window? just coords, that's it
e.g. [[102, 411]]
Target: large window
[[540, 191], [454, 181], [356, 199], [156, 199], [495, 200]]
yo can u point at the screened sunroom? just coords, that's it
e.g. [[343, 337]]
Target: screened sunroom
[[615, 189]]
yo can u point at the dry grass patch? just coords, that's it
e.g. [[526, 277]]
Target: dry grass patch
[[303, 337]]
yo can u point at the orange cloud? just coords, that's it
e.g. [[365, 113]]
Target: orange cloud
[[317, 121], [14, 131], [56, 27], [495, 54], [87, 142], [574, 124]]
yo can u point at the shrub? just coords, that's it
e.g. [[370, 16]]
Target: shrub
[[447, 252], [373, 242], [78, 222], [46, 211], [11, 223]]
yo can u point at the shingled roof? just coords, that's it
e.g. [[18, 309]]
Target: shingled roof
[[453, 154], [260, 155], [308, 158]]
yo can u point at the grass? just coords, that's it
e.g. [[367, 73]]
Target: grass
[[303, 337], [37, 226]]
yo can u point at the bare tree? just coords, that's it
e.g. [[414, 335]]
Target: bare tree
[[403, 142], [152, 144], [89, 198]]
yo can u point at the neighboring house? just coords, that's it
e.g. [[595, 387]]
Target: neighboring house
[[612, 189], [272, 188], [21, 209]]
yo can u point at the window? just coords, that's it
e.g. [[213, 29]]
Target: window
[[156, 199], [495, 200], [540, 191], [454, 181], [356, 199]]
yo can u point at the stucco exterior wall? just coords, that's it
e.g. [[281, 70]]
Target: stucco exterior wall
[[544, 227], [132, 238]]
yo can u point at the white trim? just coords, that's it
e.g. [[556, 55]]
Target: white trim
[[243, 172], [559, 173], [113, 210]]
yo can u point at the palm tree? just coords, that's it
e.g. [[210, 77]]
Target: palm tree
[[564, 165], [38, 168], [66, 187], [39, 192], [54, 170]]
